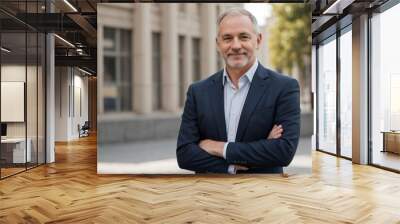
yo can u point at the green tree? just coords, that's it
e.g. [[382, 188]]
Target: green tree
[[290, 40]]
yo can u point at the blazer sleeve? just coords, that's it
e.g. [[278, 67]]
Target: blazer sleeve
[[189, 155], [273, 152]]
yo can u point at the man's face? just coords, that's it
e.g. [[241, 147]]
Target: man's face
[[237, 41]]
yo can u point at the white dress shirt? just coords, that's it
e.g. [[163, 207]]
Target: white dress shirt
[[234, 99]]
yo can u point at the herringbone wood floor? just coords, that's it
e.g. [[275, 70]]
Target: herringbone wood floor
[[70, 191]]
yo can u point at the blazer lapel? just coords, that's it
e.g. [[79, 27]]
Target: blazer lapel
[[256, 91], [217, 101]]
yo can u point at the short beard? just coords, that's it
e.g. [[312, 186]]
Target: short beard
[[237, 65]]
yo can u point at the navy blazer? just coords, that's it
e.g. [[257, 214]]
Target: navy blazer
[[272, 99]]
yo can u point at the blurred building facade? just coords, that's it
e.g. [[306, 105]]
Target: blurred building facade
[[148, 54]]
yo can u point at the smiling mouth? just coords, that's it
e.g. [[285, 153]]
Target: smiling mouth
[[236, 55]]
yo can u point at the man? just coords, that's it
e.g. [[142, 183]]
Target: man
[[227, 117]]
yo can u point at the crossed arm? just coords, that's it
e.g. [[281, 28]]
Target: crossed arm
[[273, 152], [216, 148], [205, 155]]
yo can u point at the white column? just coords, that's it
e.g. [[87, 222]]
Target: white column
[[142, 71], [50, 99], [360, 90], [208, 34], [169, 57], [50, 93]]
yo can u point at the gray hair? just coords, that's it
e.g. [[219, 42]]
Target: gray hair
[[239, 12]]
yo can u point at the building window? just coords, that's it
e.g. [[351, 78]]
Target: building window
[[117, 70], [220, 63], [346, 93], [182, 89], [327, 95], [385, 89], [156, 56], [196, 59]]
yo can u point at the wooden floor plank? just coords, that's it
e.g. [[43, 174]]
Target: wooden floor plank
[[70, 191]]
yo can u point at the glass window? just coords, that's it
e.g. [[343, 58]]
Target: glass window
[[327, 95], [109, 70], [220, 63], [156, 54], [385, 88], [16, 150], [346, 93], [109, 39], [117, 70], [196, 59], [182, 86], [32, 94], [22, 60]]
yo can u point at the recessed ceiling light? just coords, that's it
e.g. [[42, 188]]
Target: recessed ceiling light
[[338, 6], [84, 71], [5, 50], [65, 41], [70, 5]]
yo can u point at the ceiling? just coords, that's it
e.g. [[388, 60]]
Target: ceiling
[[74, 21], [329, 15]]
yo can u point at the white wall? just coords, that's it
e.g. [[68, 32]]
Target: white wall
[[61, 103], [80, 103], [71, 94], [14, 73]]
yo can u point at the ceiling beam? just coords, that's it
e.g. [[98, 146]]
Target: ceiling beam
[[81, 61], [84, 24]]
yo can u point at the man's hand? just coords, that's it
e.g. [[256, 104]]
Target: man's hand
[[240, 167], [215, 148], [276, 132]]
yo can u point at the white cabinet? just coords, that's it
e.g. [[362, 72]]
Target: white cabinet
[[18, 149]]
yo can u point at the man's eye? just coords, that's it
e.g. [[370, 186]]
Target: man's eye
[[244, 37]]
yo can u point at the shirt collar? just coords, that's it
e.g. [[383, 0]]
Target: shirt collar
[[249, 73]]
